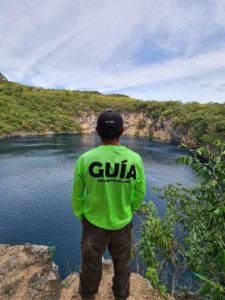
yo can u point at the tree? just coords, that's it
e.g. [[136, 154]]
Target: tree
[[199, 212]]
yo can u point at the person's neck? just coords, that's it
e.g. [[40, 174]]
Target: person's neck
[[113, 142]]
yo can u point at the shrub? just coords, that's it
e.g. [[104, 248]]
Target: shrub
[[199, 212]]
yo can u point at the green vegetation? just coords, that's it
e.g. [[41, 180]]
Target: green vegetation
[[36, 110], [65, 283], [30, 109], [203, 122], [141, 124], [51, 250], [191, 234]]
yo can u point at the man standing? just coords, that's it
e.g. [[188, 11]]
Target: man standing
[[108, 187]]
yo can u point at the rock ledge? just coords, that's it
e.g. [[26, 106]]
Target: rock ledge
[[28, 272]]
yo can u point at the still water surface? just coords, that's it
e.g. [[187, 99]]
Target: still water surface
[[35, 188]]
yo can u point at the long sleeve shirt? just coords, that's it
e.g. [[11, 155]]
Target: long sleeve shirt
[[108, 186]]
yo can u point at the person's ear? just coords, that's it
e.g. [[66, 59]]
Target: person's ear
[[97, 130], [121, 131]]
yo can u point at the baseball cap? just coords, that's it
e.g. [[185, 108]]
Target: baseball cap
[[110, 123]]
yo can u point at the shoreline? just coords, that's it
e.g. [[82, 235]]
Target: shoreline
[[30, 134], [51, 134]]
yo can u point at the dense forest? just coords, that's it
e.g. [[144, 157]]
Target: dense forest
[[37, 110]]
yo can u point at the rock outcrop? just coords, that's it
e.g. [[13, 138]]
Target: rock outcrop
[[28, 273], [139, 124], [134, 123]]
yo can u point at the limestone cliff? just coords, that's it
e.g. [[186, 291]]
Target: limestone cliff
[[28, 273], [28, 110], [140, 124], [135, 124]]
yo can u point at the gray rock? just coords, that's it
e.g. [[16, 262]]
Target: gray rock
[[44, 285], [8, 265], [9, 288]]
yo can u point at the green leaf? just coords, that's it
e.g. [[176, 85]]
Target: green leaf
[[216, 295], [205, 290], [221, 259], [219, 211], [183, 145], [203, 278], [200, 150]]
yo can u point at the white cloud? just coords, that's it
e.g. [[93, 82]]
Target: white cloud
[[94, 44], [206, 88]]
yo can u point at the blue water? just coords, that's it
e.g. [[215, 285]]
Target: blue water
[[35, 188]]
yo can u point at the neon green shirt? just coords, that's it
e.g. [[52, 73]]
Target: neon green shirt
[[108, 186]]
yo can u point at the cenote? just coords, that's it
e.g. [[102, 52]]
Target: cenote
[[36, 176]]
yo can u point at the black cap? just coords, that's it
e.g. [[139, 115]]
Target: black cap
[[110, 124]]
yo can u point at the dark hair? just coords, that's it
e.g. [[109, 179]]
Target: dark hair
[[110, 124]]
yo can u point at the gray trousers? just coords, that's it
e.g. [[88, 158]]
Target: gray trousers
[[94, 241]]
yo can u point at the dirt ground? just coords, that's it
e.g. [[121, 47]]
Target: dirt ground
[[140, 289]]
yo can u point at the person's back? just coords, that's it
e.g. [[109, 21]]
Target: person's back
[[113, 176], [109, 186]]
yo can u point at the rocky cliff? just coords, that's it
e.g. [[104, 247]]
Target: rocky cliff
[[27, 273], [28, 110], [135, 124], [140, 124]]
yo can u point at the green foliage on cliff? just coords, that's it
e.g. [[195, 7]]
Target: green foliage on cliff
[[204, 122], [32, 109]]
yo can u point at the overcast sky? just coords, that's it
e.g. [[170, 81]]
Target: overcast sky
[[148, 49]]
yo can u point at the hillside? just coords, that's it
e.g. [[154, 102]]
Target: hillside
[[28, 110], [2, 77]]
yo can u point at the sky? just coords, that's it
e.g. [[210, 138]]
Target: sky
[[147, 49]]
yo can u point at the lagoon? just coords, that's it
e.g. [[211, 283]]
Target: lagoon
[[36, 176]]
